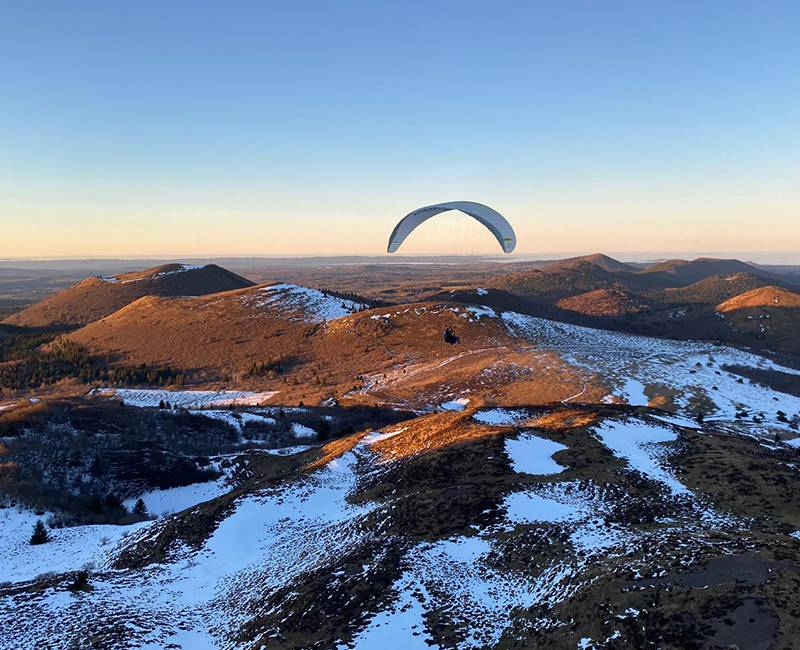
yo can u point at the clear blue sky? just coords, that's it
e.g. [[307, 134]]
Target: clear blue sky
[[257, 127]]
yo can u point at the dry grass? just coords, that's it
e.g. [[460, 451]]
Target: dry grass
[[605, 302], [663, 402], [545, 378], [563, 419], [770, 296], [431, 432], [335, 449], [422, 435], [219, 336]]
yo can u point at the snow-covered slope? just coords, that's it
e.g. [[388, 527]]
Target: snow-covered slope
[[504, 545], [693, 374], [191, 399], [312, 304]]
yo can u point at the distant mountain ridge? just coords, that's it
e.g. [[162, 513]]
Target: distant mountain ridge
[[685, 272], [594, 290], [713, 289], [599, 260], [97, 297]]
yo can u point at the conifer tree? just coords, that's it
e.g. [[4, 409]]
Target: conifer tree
[[40, 534]]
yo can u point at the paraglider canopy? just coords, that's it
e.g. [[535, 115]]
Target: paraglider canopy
[[494, 221]]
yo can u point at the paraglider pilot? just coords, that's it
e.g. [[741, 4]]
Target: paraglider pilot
[[450, 336]]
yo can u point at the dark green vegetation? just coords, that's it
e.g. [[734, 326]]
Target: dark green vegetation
[[40, 534], [19, 344], [31, 358], [80, 460]]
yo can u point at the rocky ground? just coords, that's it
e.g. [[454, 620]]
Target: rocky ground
[[561, 526]]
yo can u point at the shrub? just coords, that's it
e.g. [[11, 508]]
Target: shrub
[[80, 582]]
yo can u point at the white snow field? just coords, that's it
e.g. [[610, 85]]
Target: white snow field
[[316, 306], [69, 549], [399, 627], [192, 599], [301, 431], [531, 454], [237, 419], [171, 500], [693, 370], [189, 399]]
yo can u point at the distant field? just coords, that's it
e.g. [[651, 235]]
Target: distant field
[[8, 307]]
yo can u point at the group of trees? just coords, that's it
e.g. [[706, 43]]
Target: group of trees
[[33, 367], [16, 346], [268, 368], [41, 535], [365, 303]]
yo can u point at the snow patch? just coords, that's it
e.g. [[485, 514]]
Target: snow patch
[[637, 443], [633, 392], [237, 419], [69, 549], [171, 500], [499, 417], [531, 454], [479, 310], [302, 431], [455, 405], [317, 306], [377, 436], [182, 268], [399, 627], [288, 451]]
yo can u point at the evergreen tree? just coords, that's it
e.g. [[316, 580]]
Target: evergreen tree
[[40, 534], [140, 508]]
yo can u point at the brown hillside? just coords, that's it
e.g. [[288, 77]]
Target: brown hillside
[[605, 302], [712, 290], [94, 298], [554, 283], [769, 296], [769, 316], [391, 355]]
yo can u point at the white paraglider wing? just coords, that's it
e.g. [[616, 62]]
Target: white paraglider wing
[[494, 221]]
